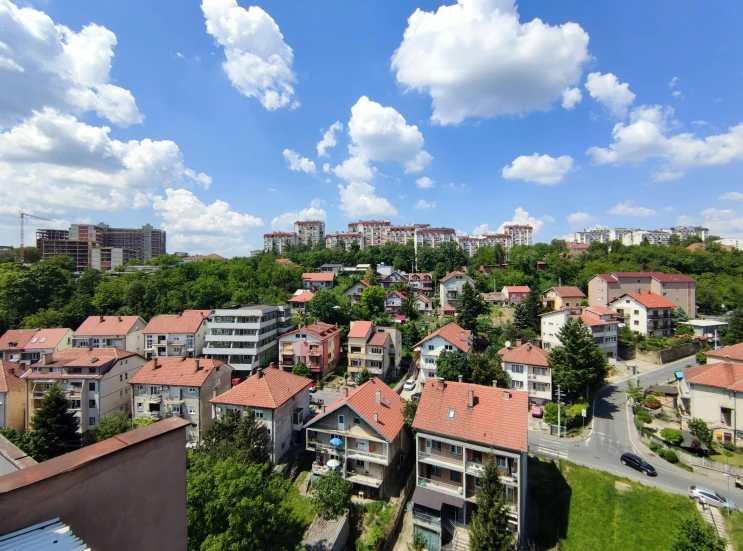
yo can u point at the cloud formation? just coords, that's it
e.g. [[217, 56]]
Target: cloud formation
[[541, 169]]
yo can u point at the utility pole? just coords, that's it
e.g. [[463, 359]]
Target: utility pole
[[559, 411]]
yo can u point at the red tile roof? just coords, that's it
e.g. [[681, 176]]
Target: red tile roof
[[601, 310], [722, 375], [492, 421], [318, 329], [658, 276], [378, 339], [302, 297], [10, 376], [398, 293], [359, 329], [648, 300], [176, 323], [595, 322], [527, 353], [284, 261], [452, 274], [419, 276], [517, 289], [97, 326], [318, 276], [202, 313], [453, 334], [32, 339], [213, 256], [567, 292], [734, 352], [576, 246], [363, 400], [16, 339], [423, 298], [177, 371], [267, 388], [102, 358]]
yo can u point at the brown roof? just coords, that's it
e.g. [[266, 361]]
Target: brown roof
[[16, 339], [453, 334], [594, 321], [107, 325], [567, 292], [202, 313], [492, 421], [213, 256], [423, 298], [452, 274], [648, 300], [268, 388], [734, 352], [177, 371], [576, 245], [318, 276], [302, 297], [318, 329], [722, 375], [492, 296], [601, 310], [188, 322], [659, 276], [419, 276], [378, 339], [517, 289], [359, 329], [102, 358], [363, 400], [527, 353], [10, 376], [47, 338], [284, 261]]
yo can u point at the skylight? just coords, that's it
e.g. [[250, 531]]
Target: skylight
[[34, 339], [42, 339], [450, 415]]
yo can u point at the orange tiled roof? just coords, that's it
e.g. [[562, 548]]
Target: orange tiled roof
[[517, 289], [359, 329], [452, 274], [302, 297], [492, 421], [177, 371], [734, 352], [10, 376], [107, 325], [318, 276], [453, 334], [101, 358], [318, 329], [648, 300], [722, 375], [378, 339], [527, 353], [176, 323], [567, 292], [16, 339], [268, 388]]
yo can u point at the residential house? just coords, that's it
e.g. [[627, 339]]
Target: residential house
[[278, 400], [355, 290], [378, 349], [708, 331], [284, 261], [450, 289], [315, 281], [96, 381], [370, 425], [12, 396], [421, 283], [493, 299], [557, 297], [122, 332], [646, 313], [450, 338], [27, 345], [394, 277], [423, 304], [246, 336], [298, 303], [393, 302], [331, 268], [176, 335], [527, 366], [318, 346], [602, 321], [180, 387], [515, 294], [576, 249], [458, 427], [733, 353], [678, 288]]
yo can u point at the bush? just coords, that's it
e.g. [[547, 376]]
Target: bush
[[644, 416], [671, 456], [672, 436], [655, 447], [729, 446], [651, 402]]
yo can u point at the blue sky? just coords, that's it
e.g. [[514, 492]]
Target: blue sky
[[205, 118]]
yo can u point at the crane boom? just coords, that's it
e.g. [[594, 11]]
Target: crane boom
[[23, 215]]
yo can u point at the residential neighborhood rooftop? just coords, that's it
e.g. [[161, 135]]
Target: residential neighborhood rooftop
[[16, 338], [453, 334], [659, 276], [10, 376], [177, 371], [451, 275], [318, 276], [187, 322], [722, 375], [106, 325], [648, 300], [359, 329], [101, 358], [527, 353], [267, 388], [734, 352], [318, 329], [302, 297], [567, 292]]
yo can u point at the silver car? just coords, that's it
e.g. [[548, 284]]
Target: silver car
[[711, 497], [409, 384]]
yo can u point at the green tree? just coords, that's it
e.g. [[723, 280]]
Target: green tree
[[370, 276], [364, 376], [469, 307], [485, 370], [111, 425], [701, 430], [489, 529], [324, 306], [579, 363], [694, 534], [418, 543], [532, 308], [734, 333], [409, 410], [683, 329], [238, 437], [679, 315], [521, 320], [701, 357], [450, 365], [551, 414], [635, 391], [54, 425], [372, 301], [302, 370], [331, 495]]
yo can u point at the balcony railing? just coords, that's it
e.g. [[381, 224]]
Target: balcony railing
[[352, 453], [427, 519], [441, 486], [454, 461]]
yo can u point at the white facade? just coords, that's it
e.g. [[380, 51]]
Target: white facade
[[521, 235], [430, 352], [451, 289], [649, 322], [278, 241], [190, 345], [348, 239], [373, 232], [433, 237], [606, 335], [310, 232]]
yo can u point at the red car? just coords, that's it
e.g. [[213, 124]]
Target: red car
[[313, 387], [537, 412]]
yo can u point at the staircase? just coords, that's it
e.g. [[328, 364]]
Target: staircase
[[714, 516], [461, 541]]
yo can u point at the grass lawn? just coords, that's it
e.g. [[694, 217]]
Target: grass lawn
[[585, 509], [301, 506], [734, 525], [717, 454]]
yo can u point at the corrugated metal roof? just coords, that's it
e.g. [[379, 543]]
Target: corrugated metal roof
[[52, 534]]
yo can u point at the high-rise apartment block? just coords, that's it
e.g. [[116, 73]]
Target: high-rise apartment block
[[278, 241], [310, 232], [373, 232], [347, 239], [635, 236], [433, 237], [402, 234], [521, 235]]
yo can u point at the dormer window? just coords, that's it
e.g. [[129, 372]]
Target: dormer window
[[450, 414]]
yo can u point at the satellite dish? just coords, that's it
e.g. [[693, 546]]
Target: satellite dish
[[508, 344]]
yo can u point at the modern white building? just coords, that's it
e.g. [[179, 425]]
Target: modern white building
[[520, 234], [647, 313], [602, 321], [310, 232], [278, 241], [529, 371], [176, 335], [450, 338], [373, 232]]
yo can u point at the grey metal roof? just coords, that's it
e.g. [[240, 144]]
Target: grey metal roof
[[50, 535]]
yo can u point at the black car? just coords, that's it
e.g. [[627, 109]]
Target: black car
[[415, 397], [638, 463]]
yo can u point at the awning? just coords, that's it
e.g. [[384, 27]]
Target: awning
[[434, 500]]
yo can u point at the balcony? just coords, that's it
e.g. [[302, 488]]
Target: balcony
[[427, 520], [447, 461], [369, 456], [168, 399], [153, 398], [364, 479], [540, 378], [439, 486]]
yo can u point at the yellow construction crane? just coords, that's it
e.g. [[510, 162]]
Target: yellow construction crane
[[23, 215]]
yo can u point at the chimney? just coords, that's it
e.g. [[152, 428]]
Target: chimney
[[345, 392], [460, 378], [214, 392], [379, 396], [506, 395], [495, 383], [197, 364], [528, 346], [727, 359], [12, 370], [271, 365], [46, 358], [259, 372], [440, 383], [518, 343], [376, 417], [100, 318], [120, 319], [471, 397]]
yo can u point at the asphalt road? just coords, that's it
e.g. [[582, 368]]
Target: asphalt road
[[614, 433]]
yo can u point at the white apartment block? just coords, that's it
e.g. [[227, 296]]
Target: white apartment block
[[278, 241], [471, 244], [373, 232], [122, 332], [654, 237], [176, 335], [433, 237], [104, 259], [246, 337], [310, 232], [402, 234], [348, 239], [601, 320], [521, 235], [634, 236]]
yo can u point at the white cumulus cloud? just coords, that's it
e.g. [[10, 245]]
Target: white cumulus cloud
[[298, 163], [359, 200], [628, 209], [424, 205], [328, 140], [425, 182], [578, 218], [285, 222], [257, 60], [571, 97], [674, 82], [482, 229], [731, 196], [541, 169], [355, 169], [522, 218], [476, 59], [615, 96]]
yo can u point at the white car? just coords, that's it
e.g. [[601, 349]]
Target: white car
[[409, 384]]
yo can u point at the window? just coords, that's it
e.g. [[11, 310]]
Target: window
[[376, 350], [92, 371], [341, 420], [541, 387], [455, 476], [435, 446], [356, 421], [567, 304], [154, 390], [435, 471], [455, 450], [91, 421], [140, 406], [450, 414], [636, 322], [637, 312], [121, 377], [430, 361], [55, 370], [517, 385], [75, 404], [477, 457], [359, 462], [91, 403], [430, 347], [501, 462], [355, 350], [176, 410], [91, 387], [140, 388], [192, 410], [515, 368], [448, 347], [191, 390], [257, 414], [540, 371]]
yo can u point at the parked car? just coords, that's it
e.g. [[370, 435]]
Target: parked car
[[415, 397], [537, 412], [409, 384], [711, 497], [313, 387], [638, 463]]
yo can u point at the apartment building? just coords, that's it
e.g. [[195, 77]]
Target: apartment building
[[678, 288], [558, 297], [373, 232], [147, 241], [687, 231], [450, 338], [421, 283], [79, 251], [393, 302], [403, 234], [278, 242], [653, 237], [459, 426], [278, 400], [318, 346], [450, 289], [370, 425], [26, 346], [96, 381], [520, 234], [646, 313], [433, 237], [602, 321], [122, 332], [316, 281], [346, 240], [529, 370], [377, 349], [355, 290], [104, 259], [12, 396], [310, 232], [176, 335], [470, 244], [245, 337], [180, 387], [515, 294]]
